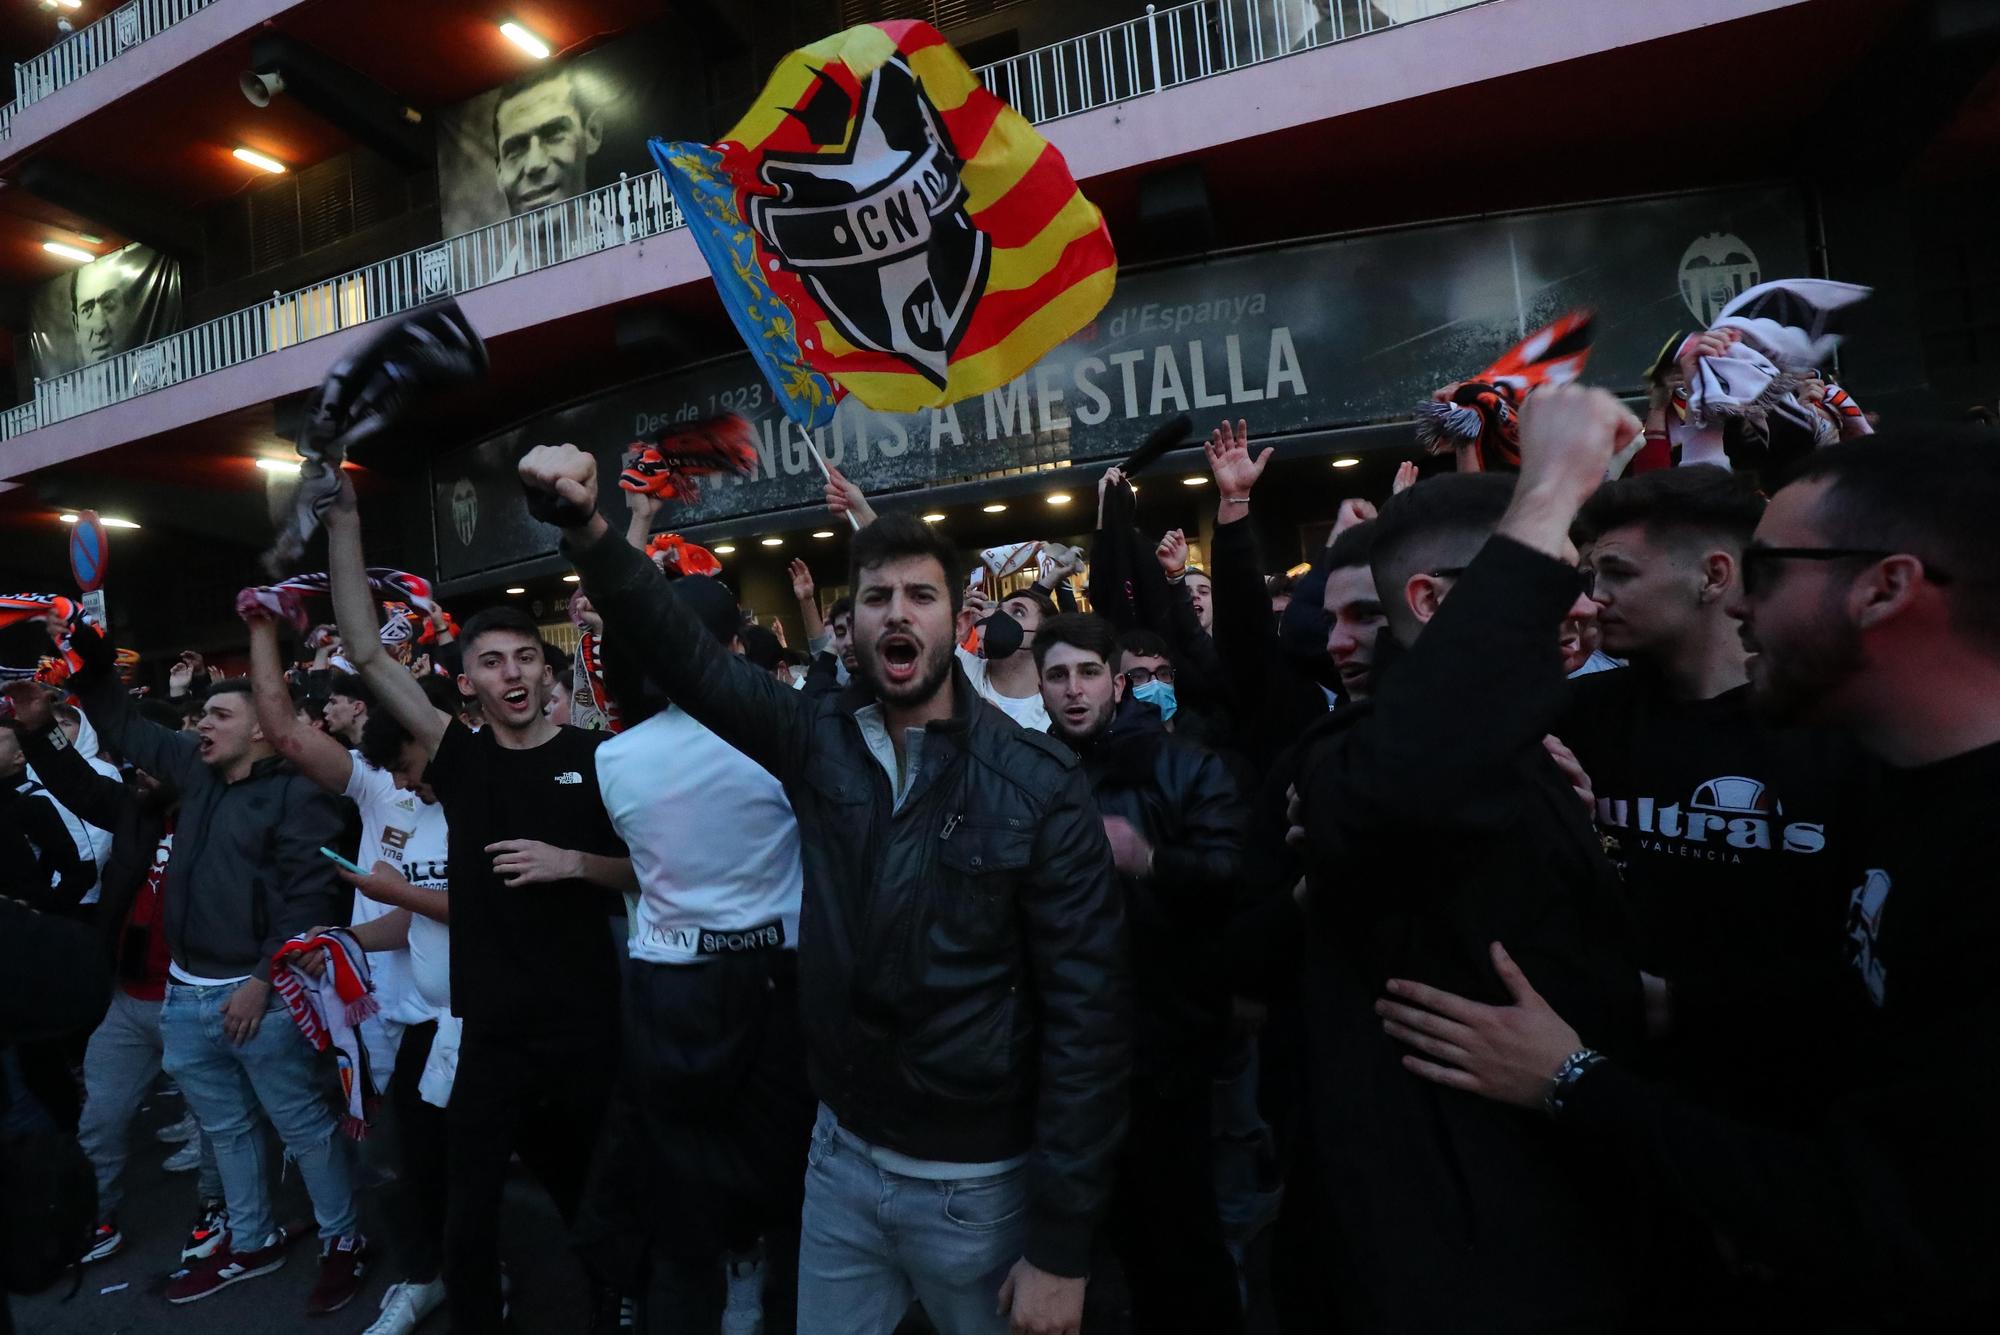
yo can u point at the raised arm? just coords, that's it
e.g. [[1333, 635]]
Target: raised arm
[[745, 707], [163, 753], [317, 756], [805, 595], [354, 611], [69, 778]]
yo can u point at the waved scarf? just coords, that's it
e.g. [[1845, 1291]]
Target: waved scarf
[[591, 706], [1484, 412], [398, 589], [329, 1010], [671, 552], [1847, 413], [19, 607], [668, 468]]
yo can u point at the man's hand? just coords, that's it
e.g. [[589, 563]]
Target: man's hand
[[563, 472], [384, 884], [181, 675], [1707, 343], [778, 629], [1037, 1303], [1406, 477], [1295, 817], [1130, 852], [847, 500], [1172, 553], [525, 862], [313, 963], [1573, 770], [1505, 1053], [243, 1013], [802, 581], [1569, 436], [643, 505], [1229, 458], [974, 608], [34, 711], [1352, 511]]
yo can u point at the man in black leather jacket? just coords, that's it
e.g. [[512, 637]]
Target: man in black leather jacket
[[962, 978], [1175, 823]]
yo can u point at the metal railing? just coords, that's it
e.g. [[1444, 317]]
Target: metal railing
[[96, 44], [1160, 49]]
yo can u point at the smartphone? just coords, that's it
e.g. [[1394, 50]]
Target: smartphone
[[342, 862]]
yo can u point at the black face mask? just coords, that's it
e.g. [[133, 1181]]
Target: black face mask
[[999, 636]]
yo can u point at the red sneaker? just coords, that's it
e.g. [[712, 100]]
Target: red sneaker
[[226, 1267], [342, 1264]]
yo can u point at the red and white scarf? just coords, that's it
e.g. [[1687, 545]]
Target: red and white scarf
[[329, 1010], [400, 591], [18, 607]]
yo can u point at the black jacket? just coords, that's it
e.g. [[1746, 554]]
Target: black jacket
[[1183, 801], [1436, 825], [962, 959], [38, 859]]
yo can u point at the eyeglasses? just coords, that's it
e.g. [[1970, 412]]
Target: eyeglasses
[[1759, 561], [1140, 676]]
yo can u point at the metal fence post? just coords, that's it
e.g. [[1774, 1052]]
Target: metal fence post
[[1153, 36]]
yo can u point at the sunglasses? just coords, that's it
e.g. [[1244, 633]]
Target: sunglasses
[[1760, 563]]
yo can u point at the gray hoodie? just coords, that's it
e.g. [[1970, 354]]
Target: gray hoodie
[[246, 874]]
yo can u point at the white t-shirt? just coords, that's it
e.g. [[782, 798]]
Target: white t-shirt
[[1026, 710], [714, 843], [409, 834]]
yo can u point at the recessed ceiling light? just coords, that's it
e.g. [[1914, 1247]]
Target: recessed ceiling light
[[572, 579], [68, 252], [772, 542], [289, 467], [516, 589], [993, 509], [933, 518], [524, 39], [263, 162], [724, 549], [1347, 461], [823, 533], [1195, 481], [1058, 498], [105, 520]]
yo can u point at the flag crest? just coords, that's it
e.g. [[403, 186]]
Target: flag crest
[[881, 224]]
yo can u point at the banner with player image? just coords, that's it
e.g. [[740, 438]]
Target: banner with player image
[[113, 304]]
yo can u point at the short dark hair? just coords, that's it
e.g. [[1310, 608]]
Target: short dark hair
[[383, 736], [1352, 548], [760, 647], [1036, 595], [1084, 630], [1931, 492], [1442, 521], [1698, 502], [229, 686], [843, 606], [895, 537], [351, 686], [579, 96], [1145, 643], [489, 620], [558, 661]]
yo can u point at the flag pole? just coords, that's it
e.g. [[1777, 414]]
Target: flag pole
[[825, 471]]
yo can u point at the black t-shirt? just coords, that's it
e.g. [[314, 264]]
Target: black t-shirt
[[532, 956]]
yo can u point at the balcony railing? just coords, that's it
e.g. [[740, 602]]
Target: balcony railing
[[1160, 49], [93, 45]]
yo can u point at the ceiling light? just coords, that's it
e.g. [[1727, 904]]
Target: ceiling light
[[994, 508], [772, 542], [263, 162], [1195, 481], [1348, 461], [68, 252], [1058, 498], [289, 467], [105, 520], [524, 39], [572, 579], [823, 533], [517, 589], [725, 549], [67, 519], [933, 518]]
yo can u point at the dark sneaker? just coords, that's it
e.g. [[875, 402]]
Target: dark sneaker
[[207, 1234], [226, 1267], [105, 1241], [342, 1264]]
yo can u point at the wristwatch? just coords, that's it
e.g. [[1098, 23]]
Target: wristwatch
[[1565, 1078]]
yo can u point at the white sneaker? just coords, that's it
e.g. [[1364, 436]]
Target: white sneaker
[[185, 1159], [744, 1314], [405, 1305], [176, 1133]]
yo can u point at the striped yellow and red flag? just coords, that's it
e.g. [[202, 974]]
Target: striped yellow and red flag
[[926, 242]]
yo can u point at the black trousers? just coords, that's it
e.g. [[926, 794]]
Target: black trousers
[[705, 1146], [1164, 1225], [542, 1093], [419, 1220]]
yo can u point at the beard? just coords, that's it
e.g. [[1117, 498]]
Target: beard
[[1790, 685], [933, 669]]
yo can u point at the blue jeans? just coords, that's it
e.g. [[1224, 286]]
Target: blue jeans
[[118, 1069], [225, 1085], [871, 1239]]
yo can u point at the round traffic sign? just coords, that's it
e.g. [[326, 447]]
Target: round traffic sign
[[88, 552]]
